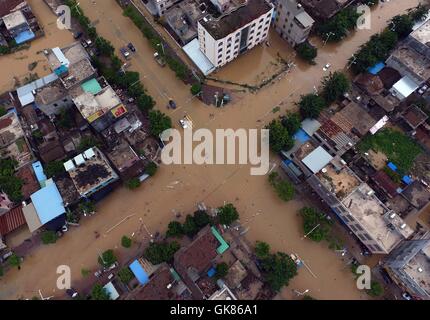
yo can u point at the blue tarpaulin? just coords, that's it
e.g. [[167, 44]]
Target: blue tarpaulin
[[40, 175], [24, 36], [139, 272], [406, 179], [376, 68], [392, 166]]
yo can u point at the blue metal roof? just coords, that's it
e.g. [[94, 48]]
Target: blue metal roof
[[48, 203], [406, 179], [139, 272], [40, 175], [376, 68], [24, 36]]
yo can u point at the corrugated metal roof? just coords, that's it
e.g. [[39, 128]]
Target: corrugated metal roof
[[11, 220], [317, 159]]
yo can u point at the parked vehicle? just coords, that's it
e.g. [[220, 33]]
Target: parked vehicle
[[423, 89], [172, 104], [327, 66], [131, 47], [98, 273], [113, 266], [406, 296], [84, 44]]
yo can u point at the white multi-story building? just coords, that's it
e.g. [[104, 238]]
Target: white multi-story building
[[292, 21], [241, 26]]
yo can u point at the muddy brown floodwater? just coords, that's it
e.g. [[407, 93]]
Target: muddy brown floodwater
[[179, 188]]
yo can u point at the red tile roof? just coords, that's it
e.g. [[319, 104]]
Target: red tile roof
[[31, 185], [384, 181], [11, 220]]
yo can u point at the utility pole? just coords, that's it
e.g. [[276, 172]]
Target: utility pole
[[313, 229]]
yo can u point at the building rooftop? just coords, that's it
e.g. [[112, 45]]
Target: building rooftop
[[418, 269], [305, 19], [31, 185], [78, 72], [373, 215], [160, 286], [321, 9], [352, 116], [247, 12], [48, 203], [236, 274], [67, 190], [92, 174], [340, 182], [50, 93], [126, 161], [11, 220], [69, 55], [10, 129], [223, 294]]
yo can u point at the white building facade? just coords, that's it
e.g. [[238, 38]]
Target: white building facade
[[223, 39], [292, 22], [162, 5]]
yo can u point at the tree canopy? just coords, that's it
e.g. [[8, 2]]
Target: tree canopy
[[125, 275], [9, 183], [376, 289], [54, 168], [292, 122], [175, 229], [307, 52], [284, 188], [159, 252], [99, 293], [221, 270], [107, 258]]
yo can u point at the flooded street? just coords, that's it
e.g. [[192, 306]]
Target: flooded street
[[179, 188], [15, 67]]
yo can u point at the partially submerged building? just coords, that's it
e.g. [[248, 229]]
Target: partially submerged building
[[13, 142], [292, 22], [90, 172]]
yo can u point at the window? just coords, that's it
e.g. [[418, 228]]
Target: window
[[229, 45], [288, 13], [359, 227], [220, 44], [55, 105], [219, 50], [353, 228], [237, 40], [367, 236], [228, 52], [258, 34], [219, 62]]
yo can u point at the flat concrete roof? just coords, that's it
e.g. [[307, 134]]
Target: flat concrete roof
[[14, 19], [422, 34], [192, 49]]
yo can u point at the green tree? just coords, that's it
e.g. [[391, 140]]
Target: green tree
[[262, 250], [64, 119], [402, 25], [14, 261], [107, 259], [227, 214], [151, 169], [376, 289], [419, 13], [88, 142], [133, 184], [221, 270], [49, 237], [292, 122], [335, 86], [311, 105], [99, 293], [315, 224], [307, 52], [196, 89], [86, 207], [337, 27], [126, 242], [279, 268], [202, 219], [125, 275], [279, 137], [54, 168], [174, 229], [158, 122], [284, 188], [105, 46], [161, 252], [145, 103], [189, 226]]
